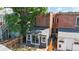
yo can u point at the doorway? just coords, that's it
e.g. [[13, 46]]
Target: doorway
[[69, 44]]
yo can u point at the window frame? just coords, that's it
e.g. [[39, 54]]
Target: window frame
[[76, 21], [42, 38], [38, 40], [30, 37]]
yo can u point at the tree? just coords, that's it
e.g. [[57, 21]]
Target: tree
[[1, 8], [11, 20], [23, 19], [28, 17]]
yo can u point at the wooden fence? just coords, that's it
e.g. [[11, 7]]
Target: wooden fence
[[12, 43]]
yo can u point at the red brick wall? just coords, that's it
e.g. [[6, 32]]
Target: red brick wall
[[67, 20], [64, 20], [43, 20]]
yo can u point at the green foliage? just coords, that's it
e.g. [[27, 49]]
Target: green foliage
[[1, 8], [25, 20], [12, 21], [33, 10]]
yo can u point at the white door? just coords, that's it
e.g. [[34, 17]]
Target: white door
[[69, 44], [65, 44]]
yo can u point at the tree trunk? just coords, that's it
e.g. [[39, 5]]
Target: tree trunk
[[21, 41]]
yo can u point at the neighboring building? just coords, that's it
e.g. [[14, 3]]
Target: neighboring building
[[68, 30], [68, 36], [39, 36], [4, 31], [4, 34]]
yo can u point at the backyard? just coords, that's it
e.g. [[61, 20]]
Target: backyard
[[26, 48]]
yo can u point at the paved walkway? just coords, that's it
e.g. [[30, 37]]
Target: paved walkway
[[3, 48]]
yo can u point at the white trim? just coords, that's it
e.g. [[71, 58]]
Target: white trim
[[27, 37], [38, 39], [76, 21]]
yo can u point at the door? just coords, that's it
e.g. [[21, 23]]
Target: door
[[28, 39], [69, 44]]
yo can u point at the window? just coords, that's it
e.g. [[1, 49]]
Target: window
[[29, 37], [35, 39], [77, 21], [57, 20], [56, 30], [43, 38], [53, 21]]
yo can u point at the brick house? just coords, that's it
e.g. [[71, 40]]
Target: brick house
[[68, 36], [68, 30]]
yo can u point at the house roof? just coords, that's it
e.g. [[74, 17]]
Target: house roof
[[73, 30], [68, 33], [38, 29], [41, 30], [66, 13]]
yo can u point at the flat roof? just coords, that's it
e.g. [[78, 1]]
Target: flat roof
[[72, 30]]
